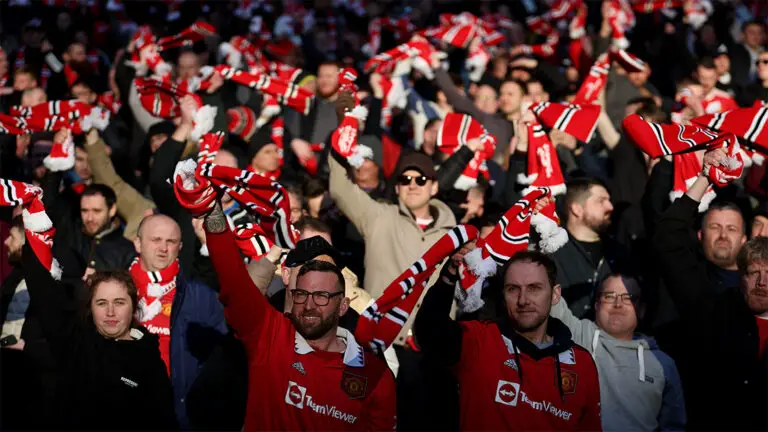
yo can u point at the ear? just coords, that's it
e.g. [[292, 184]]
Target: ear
[[344, 306], [181, 245], [743, 239], [576, 209], [286, 274], [699, 235], [112, 211], [65, 56], [137, 244], [556, 294], [433, 190], [397, 189]]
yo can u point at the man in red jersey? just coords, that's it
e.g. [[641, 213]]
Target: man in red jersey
[[305, 372], [522, 372]]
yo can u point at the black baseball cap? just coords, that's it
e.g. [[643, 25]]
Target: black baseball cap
[[312, 248], [416, 161]]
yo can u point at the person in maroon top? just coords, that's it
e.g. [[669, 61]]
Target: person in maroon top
[[305, 372], [522, 372]]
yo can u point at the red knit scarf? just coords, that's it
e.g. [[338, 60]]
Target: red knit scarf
[[380, 323], [152, 286]]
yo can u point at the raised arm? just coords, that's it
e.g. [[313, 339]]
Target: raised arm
[[582, 330], [131, 205], [354, 202], [55, 310], [245, 307], [682, 268], [436, 333], [459, 102]]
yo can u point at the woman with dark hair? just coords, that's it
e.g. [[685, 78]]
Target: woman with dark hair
[[106, 363]]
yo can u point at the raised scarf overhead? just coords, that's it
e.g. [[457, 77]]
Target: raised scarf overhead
[[748, 124], [696, 11], [262, 197], [579, 121], [145, 48], [455, 131], [543, 164], [511, 235], [286, 93], [420, 51], [401, 28], [380, 322], [594, 82], [38, 228], [687, 167], [161, 98]]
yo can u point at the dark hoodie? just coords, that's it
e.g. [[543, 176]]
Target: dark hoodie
[[102, 383]]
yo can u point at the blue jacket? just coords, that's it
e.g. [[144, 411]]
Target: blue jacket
[[197, 326]]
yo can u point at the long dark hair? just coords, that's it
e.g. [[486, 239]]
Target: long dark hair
[[120, 276]]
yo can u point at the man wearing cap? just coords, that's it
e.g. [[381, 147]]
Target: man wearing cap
[[640, 388], [395, 235], [305, 372]]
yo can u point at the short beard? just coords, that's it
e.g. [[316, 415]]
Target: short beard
[[317, 331], [598, 226], [519, 327]]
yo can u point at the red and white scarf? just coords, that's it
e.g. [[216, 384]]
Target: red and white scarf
[[286, 93], [455, 131], [161, 98], [595, 81], [38, 228], [152, 286], [511, 235], [380, 322], [579, 121], [748, 124], [543, 164]]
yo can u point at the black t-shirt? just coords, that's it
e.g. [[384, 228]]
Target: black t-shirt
[[594, 250]]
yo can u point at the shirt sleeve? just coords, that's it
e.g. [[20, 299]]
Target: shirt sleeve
[[382, 408], [247, 310]]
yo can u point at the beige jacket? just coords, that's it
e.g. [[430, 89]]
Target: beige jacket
[[131, 205], [393, 239]]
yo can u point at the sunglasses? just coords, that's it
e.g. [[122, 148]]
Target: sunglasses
[[761, 61], [405, 180]]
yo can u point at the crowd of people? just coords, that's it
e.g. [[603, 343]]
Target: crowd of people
[[411, 215]]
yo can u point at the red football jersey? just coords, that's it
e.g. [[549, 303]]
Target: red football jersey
[[718, 101], [291, 386], [496, 395]]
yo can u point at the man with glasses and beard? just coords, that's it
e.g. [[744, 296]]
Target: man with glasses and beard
[[305, 372], [590, 255]]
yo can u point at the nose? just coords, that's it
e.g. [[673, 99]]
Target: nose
[[111, 310], [609, 206]]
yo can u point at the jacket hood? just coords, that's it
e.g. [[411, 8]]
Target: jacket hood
[[561, 339]]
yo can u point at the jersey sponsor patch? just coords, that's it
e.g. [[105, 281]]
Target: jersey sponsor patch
[[354, 385], [295, 395], [568, 379], [507, 392]]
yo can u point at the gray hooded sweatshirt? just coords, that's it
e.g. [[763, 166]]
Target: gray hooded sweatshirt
[[640, 388]]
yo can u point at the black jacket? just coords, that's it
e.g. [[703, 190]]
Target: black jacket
[[102, 383], [720, 342], [579, 275]]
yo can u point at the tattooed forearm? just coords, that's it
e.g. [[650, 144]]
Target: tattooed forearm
[[216, 222]]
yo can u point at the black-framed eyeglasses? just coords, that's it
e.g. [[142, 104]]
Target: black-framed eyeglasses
[[610, 297], [761, 61], [320, 298], [405, 180]]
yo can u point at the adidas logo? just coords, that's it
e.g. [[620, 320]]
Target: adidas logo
[[299, 367], [511, 363]]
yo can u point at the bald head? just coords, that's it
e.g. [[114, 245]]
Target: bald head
[[225, 158], [33, 97], [158, 242]]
